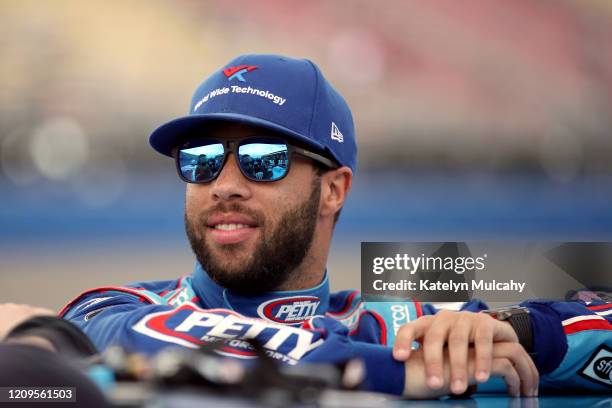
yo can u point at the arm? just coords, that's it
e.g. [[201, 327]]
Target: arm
[[572, 343], [120, 318], [568, 339], [125, 319], [34, 326], [12, 314], [139, 325]]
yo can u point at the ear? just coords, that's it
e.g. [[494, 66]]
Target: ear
[[335, 186]]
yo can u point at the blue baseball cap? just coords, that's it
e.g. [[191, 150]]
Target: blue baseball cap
[[286, 95]]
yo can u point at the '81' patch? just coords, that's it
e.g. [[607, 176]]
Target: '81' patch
[[599, 367]]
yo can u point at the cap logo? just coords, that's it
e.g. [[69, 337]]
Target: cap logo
[[336, 134], [236, 72]]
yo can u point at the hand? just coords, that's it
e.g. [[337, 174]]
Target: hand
[[12, 314], [509, 361], [458, 330]]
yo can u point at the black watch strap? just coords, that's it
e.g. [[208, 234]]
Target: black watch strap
[[520, 320]]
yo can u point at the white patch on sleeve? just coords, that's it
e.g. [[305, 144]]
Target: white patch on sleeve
[[599, 367]]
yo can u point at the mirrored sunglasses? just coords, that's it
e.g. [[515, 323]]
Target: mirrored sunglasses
[[259, 158]]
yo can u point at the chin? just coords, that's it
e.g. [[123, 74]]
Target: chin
[[233, 267], [232, 255]]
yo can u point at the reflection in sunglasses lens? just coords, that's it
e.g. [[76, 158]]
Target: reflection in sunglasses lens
[[264, 161], [201, 163]]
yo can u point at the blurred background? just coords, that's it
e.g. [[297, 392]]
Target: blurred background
[[475, 120]]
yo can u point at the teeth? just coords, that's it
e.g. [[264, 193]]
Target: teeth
[[230, 227]]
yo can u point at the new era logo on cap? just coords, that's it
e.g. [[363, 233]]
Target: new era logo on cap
[[236, 72], [336, 134]]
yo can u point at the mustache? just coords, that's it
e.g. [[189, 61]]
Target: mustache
[[257, 216]]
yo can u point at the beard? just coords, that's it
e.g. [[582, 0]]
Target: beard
[[281, 250]]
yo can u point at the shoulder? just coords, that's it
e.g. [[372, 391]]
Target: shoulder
[[154, 292]]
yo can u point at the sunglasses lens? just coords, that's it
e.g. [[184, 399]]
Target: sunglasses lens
[[264, 160], [200, 163]]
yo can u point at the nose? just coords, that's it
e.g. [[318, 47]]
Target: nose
[[230, 184]]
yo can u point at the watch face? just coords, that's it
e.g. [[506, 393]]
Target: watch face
[[504, 315]]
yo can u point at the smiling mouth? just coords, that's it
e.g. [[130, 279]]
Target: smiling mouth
[[231, 227]]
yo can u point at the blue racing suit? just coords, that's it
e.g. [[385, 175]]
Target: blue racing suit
[[572, 341]]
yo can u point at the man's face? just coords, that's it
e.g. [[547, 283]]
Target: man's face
[[251, 236]]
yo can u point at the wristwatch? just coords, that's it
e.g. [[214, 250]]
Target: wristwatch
[[519, 319]]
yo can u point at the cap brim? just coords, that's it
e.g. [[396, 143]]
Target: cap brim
[[171, 134]]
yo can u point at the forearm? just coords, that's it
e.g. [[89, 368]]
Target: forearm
[[568, 338]]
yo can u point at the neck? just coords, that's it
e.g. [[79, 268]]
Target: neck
[[311, 271], [288, 306]]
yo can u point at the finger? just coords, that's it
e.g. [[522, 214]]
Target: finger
[[534, 373], [483, 345], [523, 365], [458, 341], [523, 369], [502, 367], [433, 346], [408, 333], [529, 378]]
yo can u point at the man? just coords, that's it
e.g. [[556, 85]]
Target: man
[[261, 235]]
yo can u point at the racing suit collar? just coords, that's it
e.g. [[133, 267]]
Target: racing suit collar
[[288, 307]]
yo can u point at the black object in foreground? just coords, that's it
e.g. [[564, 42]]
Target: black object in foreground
[[181, 376]]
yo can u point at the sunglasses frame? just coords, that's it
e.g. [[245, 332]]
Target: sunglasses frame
[[232, 146]]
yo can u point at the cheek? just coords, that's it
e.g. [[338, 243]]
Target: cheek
[[194, 200], [289, 200]]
